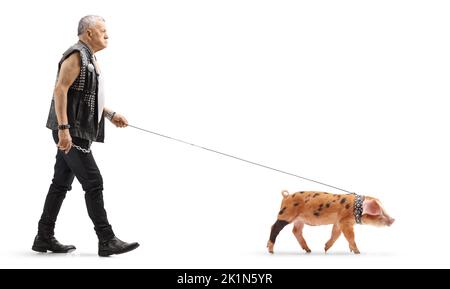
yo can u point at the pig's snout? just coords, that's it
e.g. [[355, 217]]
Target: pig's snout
[[390, 221]]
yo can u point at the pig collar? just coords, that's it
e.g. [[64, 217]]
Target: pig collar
[[358, 208]]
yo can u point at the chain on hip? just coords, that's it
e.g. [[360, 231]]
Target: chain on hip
[[86, 151]]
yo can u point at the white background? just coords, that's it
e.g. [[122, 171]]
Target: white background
[[351, 93]]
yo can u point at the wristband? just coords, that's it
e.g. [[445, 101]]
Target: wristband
[[63, 126]]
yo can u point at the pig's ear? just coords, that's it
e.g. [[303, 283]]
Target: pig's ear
[[371, 207]]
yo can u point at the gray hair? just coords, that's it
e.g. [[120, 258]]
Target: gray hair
[[87, 22]]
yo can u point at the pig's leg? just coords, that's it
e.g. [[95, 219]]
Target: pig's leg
[[298, 233], [347, 229], [335, 233], [276, 228]]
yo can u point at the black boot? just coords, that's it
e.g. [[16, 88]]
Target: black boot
[[115, 246], [42, 244]]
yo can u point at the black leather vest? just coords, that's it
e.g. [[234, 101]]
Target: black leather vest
[[82, 99]]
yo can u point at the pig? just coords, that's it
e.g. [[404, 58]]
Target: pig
[[321, 208]]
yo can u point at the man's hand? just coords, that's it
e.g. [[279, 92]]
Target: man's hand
[[65, 140], [119, 120]]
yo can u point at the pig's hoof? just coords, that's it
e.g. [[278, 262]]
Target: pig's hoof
[[356, 251], [270, 247], [308, 250]]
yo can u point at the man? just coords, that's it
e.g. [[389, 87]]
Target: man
[[76, 118]]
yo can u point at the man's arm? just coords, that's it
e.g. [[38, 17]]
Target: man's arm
[[70, 69], [117, 119]]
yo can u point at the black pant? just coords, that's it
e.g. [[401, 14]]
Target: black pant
[[81, 165]]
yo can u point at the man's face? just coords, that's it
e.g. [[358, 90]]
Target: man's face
[[98, 36]]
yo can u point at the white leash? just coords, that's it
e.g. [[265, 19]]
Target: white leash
[[237, 158]]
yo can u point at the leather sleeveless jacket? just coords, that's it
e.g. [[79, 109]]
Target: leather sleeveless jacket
[[82, 99]]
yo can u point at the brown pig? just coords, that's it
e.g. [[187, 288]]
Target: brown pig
[[320, 208]]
